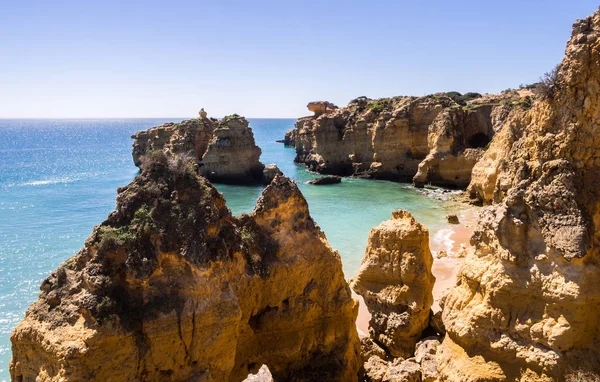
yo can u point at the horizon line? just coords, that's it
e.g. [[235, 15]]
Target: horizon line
[[75, 118]]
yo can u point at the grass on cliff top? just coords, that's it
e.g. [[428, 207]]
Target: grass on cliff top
[[230, 117], [379, 105]]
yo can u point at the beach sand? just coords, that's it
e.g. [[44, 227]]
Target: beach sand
[[445, 270]]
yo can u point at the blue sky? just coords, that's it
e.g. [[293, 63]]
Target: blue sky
[[265, 58]]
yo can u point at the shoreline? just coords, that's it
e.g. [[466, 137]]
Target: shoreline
[[445, 270]]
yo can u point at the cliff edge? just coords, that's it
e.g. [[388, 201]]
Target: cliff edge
[[173, 287]]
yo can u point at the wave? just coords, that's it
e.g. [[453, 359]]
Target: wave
[[442, 241], [51, 181], [48, 181]]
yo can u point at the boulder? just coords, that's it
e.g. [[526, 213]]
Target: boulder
[[321, 107], [452, 219], [396, 282], [375, 369], [427, 346], [369, 348], [270, 172], [429, 371], [403, 371]]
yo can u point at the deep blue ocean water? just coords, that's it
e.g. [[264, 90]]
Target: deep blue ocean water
[[58, 178]]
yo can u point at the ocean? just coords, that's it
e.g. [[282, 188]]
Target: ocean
[[58, 179]]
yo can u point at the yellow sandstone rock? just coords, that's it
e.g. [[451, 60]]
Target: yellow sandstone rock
[[396, 283], [172, 287], [527, 303]]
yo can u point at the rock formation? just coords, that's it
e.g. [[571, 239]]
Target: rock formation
[[289, 139], [434, 139], [225, 149], [324, 180], [321, 107], [173, 287], [396, 283], [527, 304]]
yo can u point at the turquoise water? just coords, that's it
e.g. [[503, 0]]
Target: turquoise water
[[58, 179]]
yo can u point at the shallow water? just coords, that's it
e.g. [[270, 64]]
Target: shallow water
[[58, 179]]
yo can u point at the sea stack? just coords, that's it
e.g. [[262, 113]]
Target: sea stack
[[225, 150]]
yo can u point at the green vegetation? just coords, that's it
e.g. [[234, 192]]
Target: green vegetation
[[228, 118], [462, 99], [549, 83], [525, 102], [114, 237], [379, 105]]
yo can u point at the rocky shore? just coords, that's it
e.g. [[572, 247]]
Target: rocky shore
[[435, 139], [173, 287]]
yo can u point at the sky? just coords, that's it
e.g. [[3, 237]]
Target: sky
[[91, 59]]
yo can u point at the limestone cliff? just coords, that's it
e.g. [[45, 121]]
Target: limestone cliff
[[396, 283], [434, 139], [225, 149], [173, 287], [526, 304]]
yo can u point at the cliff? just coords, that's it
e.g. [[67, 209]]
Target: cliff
[[434, 139], [225, 149], [526, 304], [173, 287]]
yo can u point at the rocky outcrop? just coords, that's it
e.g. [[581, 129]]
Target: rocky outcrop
[[225, 150], [526, 306], [270, 172], [321, 107], [173, 287], [432, 139], [289, 139], [396, 283], [324, 180]]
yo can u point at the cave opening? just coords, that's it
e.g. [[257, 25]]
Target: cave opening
[[478, 140]]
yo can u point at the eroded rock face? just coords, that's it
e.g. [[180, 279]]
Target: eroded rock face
[[225, 149], [173, 287], [321, 107], [526, 305], [396, 283], [428, 139]]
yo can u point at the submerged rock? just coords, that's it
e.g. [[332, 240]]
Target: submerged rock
[[173, 287], [331, 179], [225, 150], [396, 283], [270, 172], [452, 219]]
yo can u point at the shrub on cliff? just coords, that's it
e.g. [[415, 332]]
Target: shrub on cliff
[[548, 84], [462, 99]]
